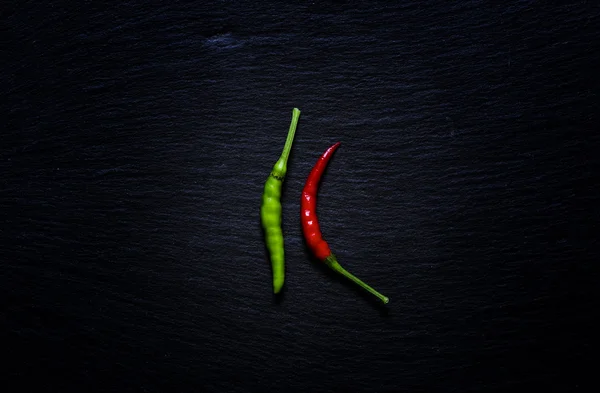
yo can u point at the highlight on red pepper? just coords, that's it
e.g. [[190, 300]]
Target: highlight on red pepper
[[310, 223]]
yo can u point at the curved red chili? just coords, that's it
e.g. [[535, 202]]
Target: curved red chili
[[310, 223]]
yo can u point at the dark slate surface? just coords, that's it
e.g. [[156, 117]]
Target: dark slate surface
[[136, 140]]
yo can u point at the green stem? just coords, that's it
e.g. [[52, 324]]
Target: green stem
[[290, 137], [333, 263], [280, 168]]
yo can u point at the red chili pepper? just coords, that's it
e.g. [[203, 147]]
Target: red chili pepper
[[310, 224]]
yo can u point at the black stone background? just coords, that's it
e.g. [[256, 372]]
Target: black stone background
[[136, 138]]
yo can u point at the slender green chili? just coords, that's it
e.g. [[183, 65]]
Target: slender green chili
[[270, 209]]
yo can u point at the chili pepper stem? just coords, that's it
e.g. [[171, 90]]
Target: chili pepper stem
[[280, 167], [332, 262]]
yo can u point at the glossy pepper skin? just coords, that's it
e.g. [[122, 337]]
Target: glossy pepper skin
[[270, 209], [310, 222]]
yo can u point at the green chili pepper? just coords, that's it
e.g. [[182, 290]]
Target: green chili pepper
[[270, 209]]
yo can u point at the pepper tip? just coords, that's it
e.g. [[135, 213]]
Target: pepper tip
[[277, 287]]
